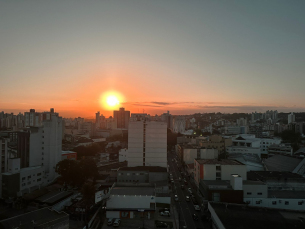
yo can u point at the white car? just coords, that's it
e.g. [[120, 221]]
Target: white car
[[165, 213], [197, 208], [187, 198], [176, 198], [117, 222]]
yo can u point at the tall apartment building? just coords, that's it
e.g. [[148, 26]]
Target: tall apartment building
[[39, 149], [147, 143], [168, 119], [122, 118], [291, 118]]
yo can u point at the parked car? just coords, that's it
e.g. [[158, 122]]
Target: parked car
[[117, 222], [187, 198], [165, 213], [182, 187], [197, 208], [195, 217], [176, 198], [189, 190], [110, 221], [161, 225]]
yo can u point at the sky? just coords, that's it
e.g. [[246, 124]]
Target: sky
[[182, 56]]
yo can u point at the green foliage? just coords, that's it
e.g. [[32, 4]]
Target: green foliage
[[75, 173], [88, 191], [290, 136], [92, 150]]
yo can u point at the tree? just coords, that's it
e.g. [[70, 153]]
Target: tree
[[65, 168], [88, 191]]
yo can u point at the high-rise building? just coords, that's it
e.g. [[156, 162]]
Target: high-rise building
[[41, 146], [291, 118], [122, 118], [147, 143]]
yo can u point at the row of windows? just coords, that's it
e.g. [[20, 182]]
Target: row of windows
[[274, 202], [259, 193]]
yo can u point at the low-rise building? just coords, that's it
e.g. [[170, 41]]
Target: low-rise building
[[229, 216], [131, 202], [214, 169]]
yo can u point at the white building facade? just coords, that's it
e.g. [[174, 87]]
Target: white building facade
[[147, 143]]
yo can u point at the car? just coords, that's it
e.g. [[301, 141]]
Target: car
[[172, 181], [197, 208], [176, 198], [161, 225], [187, 198], [179, 178], [116, 222], [190, 190], [182, 187], [164, 209], [195, 217], [165, 213], [110, 221]]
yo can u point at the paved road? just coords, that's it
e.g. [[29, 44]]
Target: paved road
[[184, 208]]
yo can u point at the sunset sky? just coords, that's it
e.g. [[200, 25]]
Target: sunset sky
[[181, 56]]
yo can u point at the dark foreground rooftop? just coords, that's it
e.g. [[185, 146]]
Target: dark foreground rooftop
[[234, 216], [42, 218]]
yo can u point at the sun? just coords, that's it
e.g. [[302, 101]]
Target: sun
[[112, 101]]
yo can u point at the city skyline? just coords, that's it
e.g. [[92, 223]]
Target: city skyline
[[186, 58]]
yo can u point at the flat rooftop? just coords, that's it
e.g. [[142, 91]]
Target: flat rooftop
[[145, 168], [41, 218], [54, 197], [131, 191], [219, 162], [282, 163], [234, 216], [271, 175]]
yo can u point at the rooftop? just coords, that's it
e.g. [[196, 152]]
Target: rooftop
[[41, 218], [67, 152], [54, 197], [145, 168], [253, 182], [220, 162], [234, 216], [282, 163], [131, 191], [271, 175]]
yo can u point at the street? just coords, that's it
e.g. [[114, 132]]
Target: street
[[185, 209]]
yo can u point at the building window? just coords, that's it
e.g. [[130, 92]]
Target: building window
[[218, 168], [258, 202], [300, 203], [249, 193], [286, 202], [259, 193], [273, 202], [38, 174]]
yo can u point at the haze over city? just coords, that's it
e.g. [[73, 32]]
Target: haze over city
[[203, 56]]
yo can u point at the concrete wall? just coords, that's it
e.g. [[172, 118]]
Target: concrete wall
[[157, 176], [291, 204], [189, 155], [251, 191], [112, 214]]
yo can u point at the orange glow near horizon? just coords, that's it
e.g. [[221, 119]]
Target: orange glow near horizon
[[111, 100]]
